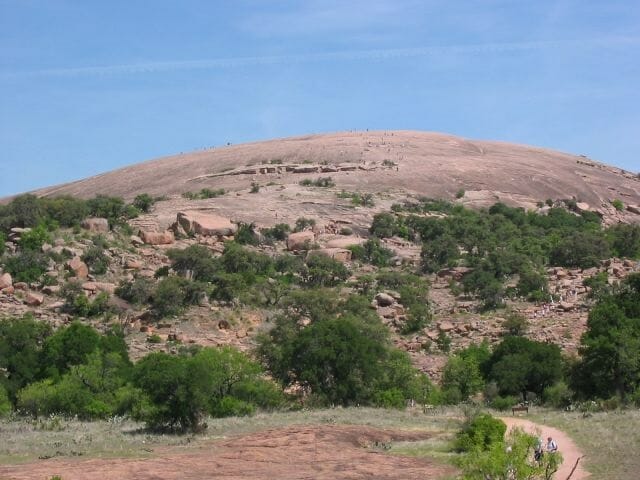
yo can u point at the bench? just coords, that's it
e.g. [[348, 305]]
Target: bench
[[519, 408]]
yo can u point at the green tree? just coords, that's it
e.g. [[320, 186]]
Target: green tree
[[21, 341], [610, 348], [323, 271], [519, 365], [461, 378], [35, 238], [143, 202], [26, 265]]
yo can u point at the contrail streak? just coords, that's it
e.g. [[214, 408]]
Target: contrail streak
[[374, 55]]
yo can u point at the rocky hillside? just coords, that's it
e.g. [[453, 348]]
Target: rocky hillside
[[391, 165]]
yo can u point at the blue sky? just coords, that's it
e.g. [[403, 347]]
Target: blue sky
[[87, 86]]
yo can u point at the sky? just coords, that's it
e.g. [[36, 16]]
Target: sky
[[87, 86]]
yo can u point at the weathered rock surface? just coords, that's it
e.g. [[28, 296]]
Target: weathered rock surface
[[96, 224], [157, 238], [300, 240], [78, 267], [207, 224], [5, 281]]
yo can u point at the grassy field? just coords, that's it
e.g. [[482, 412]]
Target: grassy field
[[26, 440], [610, 440]]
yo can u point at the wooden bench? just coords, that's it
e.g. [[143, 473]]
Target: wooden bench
[[519, 408]]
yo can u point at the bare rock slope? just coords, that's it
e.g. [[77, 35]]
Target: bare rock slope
[[391, 164]]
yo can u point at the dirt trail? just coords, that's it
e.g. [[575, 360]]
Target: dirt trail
[[566, 446], [304, 452]]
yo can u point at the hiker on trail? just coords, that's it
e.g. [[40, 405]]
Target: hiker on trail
[[552, 446], [539, 450]]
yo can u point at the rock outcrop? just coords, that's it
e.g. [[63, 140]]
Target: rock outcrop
[[207, 224], [300, 240], [157, 238], [96, 224]]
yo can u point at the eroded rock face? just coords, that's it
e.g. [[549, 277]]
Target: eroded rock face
[[207, 224], [345, 242], [78, 267], [34, 299], [157, 238], [5, 281], [340, 254], [300, 240], [96, 224]]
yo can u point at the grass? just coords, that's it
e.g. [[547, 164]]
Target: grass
[[25, 440], [610, 440]]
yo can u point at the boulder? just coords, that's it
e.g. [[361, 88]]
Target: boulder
[[384, 299], [300, 240], [345, 242], [340, 254], [78, 267], [96, 224], [583, 206], [21, 286], [133, 264], [51, 289], [5, 281], [445, 326], [34, 299], [157, 238], [136, 241], [94, 287], [208, 224], [633, 209]]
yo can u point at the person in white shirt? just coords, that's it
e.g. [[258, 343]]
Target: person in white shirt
[[552, 446]]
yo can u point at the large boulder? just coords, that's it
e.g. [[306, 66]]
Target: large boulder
[[300, 240], [157, 238], [340, 254], [34, 299], [94, 287], [96, 224], [345, 242], [207, 224], [78, 267], [5, 281]]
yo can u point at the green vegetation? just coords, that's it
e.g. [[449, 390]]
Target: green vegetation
[[358, 199], [617, 204], [204, 194], [323, 182]]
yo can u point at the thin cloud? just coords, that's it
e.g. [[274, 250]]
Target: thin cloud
[[353, 55]]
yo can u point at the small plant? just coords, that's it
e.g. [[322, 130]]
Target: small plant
[[617, 204], [388, 163], [322, 182], [143, 202], [460, 193], [444, 342], [303, 223], [255, 187], [155, 338]]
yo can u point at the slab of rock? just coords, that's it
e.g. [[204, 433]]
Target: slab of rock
[[445, 326], [51, 289], [207, 224], [345, 242], [78, 267], [340, 254], [157, 238], [300, 240], [133, 264], [136, 240], [34, 299], [633, 209], [99, 287], [384, 299], [5, 281], [96, 224], [20, 286]]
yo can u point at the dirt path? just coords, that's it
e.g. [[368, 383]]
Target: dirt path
[[304, 452], [566, 446]]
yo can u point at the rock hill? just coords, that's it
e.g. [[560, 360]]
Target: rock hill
[[390, 164]]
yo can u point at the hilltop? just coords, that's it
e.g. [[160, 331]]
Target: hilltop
[[392, 165]]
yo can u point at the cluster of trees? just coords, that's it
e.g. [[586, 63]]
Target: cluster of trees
[[504, 241], [78, 371], [608, 366]]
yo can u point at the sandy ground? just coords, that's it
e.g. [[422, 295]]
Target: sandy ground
[[304, 452], [566, 446]]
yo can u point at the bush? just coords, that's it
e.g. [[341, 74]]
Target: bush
[[303, 223], [195, 261], [96, 259], [480, 433], [246, 234], [617, 204], [143, 202], [323, 271], [557, 395], [504, 403], [460, 193], [318, 182], [277, 232], [5, 403], [26, 266], [373, 252], [77, 302], [138, 291], [35, 238], [515, 324]]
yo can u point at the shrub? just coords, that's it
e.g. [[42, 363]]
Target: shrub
[[77, 303], [323, 182], [460, 193], [96, 259], [277, 232], [3, 239], [383, 225], [373, 252], [480, 433], [25, 266], [138, 291], [503, 403], [303, 223], [35, 238], [515, 324], [617, 204], [323, 271], [255, 187], [5, 403], [246, 234], [143, 202], [557, 395]]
